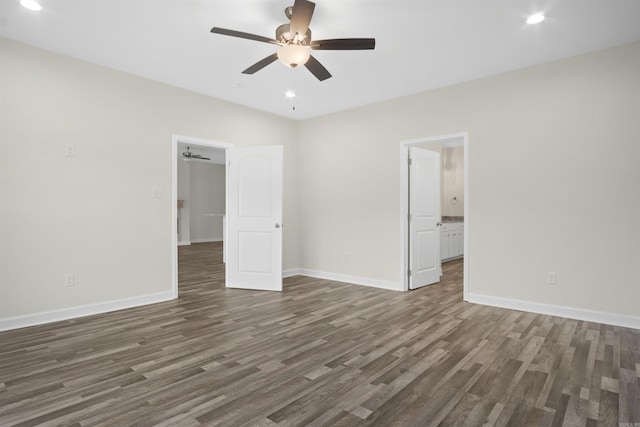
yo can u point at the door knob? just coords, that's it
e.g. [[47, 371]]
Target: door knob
[[277, 225], [439, 224]]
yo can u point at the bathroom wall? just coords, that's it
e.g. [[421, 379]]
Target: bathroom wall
[[452, 180]]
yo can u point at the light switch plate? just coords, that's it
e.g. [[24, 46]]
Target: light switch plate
[[157, 192]]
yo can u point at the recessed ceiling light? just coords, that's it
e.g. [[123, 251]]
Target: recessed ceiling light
[[31, 5], [290, 94], [536, 18]]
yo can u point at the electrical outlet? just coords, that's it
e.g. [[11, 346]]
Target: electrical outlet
[[551, 277], [69, 280]]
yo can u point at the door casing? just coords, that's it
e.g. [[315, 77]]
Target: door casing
[[462, 137]]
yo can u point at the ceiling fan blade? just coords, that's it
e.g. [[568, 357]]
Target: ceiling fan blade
[[261, 64], [343, 44], [240, 34], [301, 17], [317, 69]]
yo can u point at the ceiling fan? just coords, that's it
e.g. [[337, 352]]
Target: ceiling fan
[[189, 155], [296, 44]]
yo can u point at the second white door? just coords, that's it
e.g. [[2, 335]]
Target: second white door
[[424, 217], [254, 218]]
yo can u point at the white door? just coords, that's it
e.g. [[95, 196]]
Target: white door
[[254, 218], [424, 217]]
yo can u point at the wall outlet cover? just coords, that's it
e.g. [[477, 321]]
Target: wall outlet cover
[[157, 192], [69, 280]]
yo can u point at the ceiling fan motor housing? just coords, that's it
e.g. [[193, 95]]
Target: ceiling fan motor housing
[[283, 35]]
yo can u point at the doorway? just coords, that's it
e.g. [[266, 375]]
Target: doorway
[[201, 194], [178, 220], [449, 140]]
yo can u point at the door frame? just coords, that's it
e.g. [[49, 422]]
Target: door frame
[[175, 139], [404, 203]]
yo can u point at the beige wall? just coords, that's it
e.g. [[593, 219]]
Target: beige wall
[[553, 164], [206, 196], [553, 172], [93, 214], [201, 187], [452, 170], [451, 177]]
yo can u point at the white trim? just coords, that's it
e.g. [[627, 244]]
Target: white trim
[[557, 310], [465, 251], [355, 280], [211, 240], [452, 144], [200, 141], [175, 139], [451, 139], [83, 310], [291, 272], [184, 243]]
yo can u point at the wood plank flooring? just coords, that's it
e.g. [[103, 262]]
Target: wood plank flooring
[[320, 353]]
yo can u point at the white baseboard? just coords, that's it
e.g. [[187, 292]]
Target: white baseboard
[[184, 243], [557, 310], [291, 272], [213, 239], [355, 280], [84, 310]]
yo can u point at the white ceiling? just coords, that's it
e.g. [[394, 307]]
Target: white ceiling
[[420, 45]]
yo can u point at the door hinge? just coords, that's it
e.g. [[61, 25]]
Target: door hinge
[[409, 217], [409, 272], [409, 161]]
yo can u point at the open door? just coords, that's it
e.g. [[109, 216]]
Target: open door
[[424, 217], [254, 218]]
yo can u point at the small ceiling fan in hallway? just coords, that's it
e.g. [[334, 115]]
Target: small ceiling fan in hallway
[[296, 43], [189, 155]]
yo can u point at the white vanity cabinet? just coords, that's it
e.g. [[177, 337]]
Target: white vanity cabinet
[[451, 240]]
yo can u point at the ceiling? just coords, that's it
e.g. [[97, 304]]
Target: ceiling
[[420, 45]]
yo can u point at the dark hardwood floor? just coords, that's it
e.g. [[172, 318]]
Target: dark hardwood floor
[[320, 353]]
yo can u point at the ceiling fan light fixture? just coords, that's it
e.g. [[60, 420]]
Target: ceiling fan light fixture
[[293, 55], [31, 5], [296, 43], [536, 18]]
